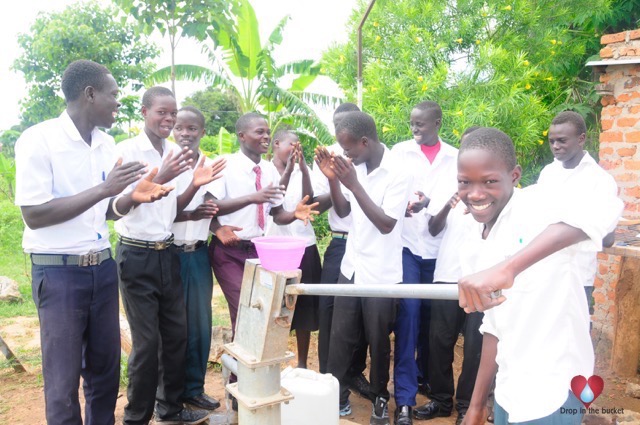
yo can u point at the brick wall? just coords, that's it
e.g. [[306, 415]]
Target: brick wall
[[620, 156]]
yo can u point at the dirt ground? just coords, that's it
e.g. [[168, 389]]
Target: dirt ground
[[22, 400]]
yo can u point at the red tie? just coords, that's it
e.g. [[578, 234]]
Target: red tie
[[258, 172]]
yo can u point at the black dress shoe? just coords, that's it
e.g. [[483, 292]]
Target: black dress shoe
[[403, 416], [431, 410], [361, 386], [203, 401], [184, 417]]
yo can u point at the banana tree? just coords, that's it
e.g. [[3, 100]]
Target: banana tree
[[240, 63]]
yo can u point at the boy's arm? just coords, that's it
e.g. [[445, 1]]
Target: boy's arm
[[438, 221], [477, 291], [59, 210], [208, 209], [266, 194], [201, 175], [303, 212], [325, 162], [477, 412]]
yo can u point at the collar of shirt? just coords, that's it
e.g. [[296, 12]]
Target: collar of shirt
[[72, 132], [247, 163]]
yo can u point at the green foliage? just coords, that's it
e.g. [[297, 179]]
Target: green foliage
[[81, 31], [129, 111], [222, 144], [218, 107], [8, 139], [176, 19], [508, 64], [246, 67], [7, 177]]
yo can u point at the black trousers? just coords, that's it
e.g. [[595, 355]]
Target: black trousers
[[330, 274], [447, 318], [153, 299], [355, 318], [80, 336]]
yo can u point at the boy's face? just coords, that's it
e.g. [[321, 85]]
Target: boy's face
[[565, 142], [256, 138], [424, 126], [161, 116], [105, 106], [485, 184], [354, 148], [188, 130], [282, 147]]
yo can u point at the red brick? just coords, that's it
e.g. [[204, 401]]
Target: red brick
[[612, 165], [632, 82], [598, 297], [634, 109], [627, 151], [605, 78], [603, 268], [627, 121], [606, 124], [634, 34], [612, 111], [606, 53], [605, 152], [628, 51], [608, 100], [632, 165], [623, 97], [626, 177], [612, 38], [632, 137], [611, 136], [612, 309], [613, 283], [597, 282]]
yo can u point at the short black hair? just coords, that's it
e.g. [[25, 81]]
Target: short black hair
[[432, 108], [154, 92], [493, 141], [572, 118], [358, 124], [245, 119], [194, 111], [346, 107], [282, 131], [469, 130], [81, 74]]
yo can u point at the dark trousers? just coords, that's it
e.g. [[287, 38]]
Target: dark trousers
[[197, 282], [330, 274], [153, 299], [447, 318], [228, 266], [80, 336], [409, 330], [353, 318]]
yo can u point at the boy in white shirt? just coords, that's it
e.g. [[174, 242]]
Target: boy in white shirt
[[572, 171], [288, 158], [374, 251], [535, 331]]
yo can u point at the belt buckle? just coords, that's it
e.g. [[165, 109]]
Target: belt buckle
[[160, 245], [90, 259], [189, 248]]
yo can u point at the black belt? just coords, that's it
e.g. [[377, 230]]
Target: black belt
[[157, 245], [339, 235], [90, 259], [242, 244], [191, 247]]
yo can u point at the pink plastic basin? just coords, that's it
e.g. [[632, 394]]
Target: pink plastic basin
[[280, 253]]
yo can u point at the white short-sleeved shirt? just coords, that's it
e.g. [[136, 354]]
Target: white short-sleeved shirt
[[438, 181], [53, 161], [448, 267], [150, 221], [372, 256], [592, 181], [543, 326], [321, 187], [238, 180], [190, 231], [292, 197]]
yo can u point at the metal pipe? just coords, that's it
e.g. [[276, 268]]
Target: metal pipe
[[364, 18], [434, 291], [229, 364]]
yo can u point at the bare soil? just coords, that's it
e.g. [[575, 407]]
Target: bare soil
[[22, 400]]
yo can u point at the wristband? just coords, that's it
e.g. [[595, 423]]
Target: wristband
[[114, 209]]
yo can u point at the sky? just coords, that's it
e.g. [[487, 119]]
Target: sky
[[313, 27]]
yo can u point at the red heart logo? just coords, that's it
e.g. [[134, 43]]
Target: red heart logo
[[587, 390]]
